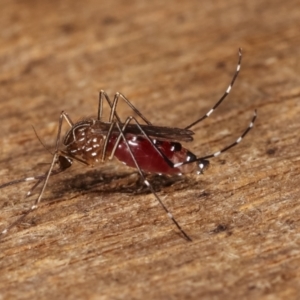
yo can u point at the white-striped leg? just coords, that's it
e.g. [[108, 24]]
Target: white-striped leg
[[115, 103], [224, 96], [113, 106], [13, 182], [204, 158], [147, 183], [64, 164], [41, 177]]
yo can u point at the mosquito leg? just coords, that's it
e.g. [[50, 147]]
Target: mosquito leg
[[104, 95], [35, 205], [116, 99], [29, 193], [38, 177], [100, 104], [113, 105], [55, 159], [224, 95], [66, 163], [63, 166], [203, 159], [112, 125], [20, 181], [67, 118], [147, 183]]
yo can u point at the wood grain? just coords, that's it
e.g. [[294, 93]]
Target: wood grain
[[98, 235]]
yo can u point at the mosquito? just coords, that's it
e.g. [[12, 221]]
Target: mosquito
[[141, 145]]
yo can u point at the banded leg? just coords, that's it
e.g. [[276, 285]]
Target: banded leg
[[224, 95], [203, 159], [147, 183], [113, 106], [64, 163]]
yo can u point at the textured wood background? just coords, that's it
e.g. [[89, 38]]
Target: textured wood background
[[173, 59]]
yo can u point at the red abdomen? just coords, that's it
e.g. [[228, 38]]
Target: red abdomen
[[147, 157]]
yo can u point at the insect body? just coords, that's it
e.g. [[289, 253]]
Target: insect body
[[148, 148], [86, 140]]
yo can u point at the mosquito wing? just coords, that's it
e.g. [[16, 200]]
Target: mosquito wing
[[163, 133], [156, 132]]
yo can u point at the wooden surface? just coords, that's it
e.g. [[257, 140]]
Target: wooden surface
[[173, 60]]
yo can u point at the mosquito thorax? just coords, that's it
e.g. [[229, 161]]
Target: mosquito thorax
[[84, 141]]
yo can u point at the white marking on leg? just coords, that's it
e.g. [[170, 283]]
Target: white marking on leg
[[210, 112], [30, 178], [239, 139], [178, 165], [228, 89], [217, 153], [170, 215], [147, 183], [238, 68]]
